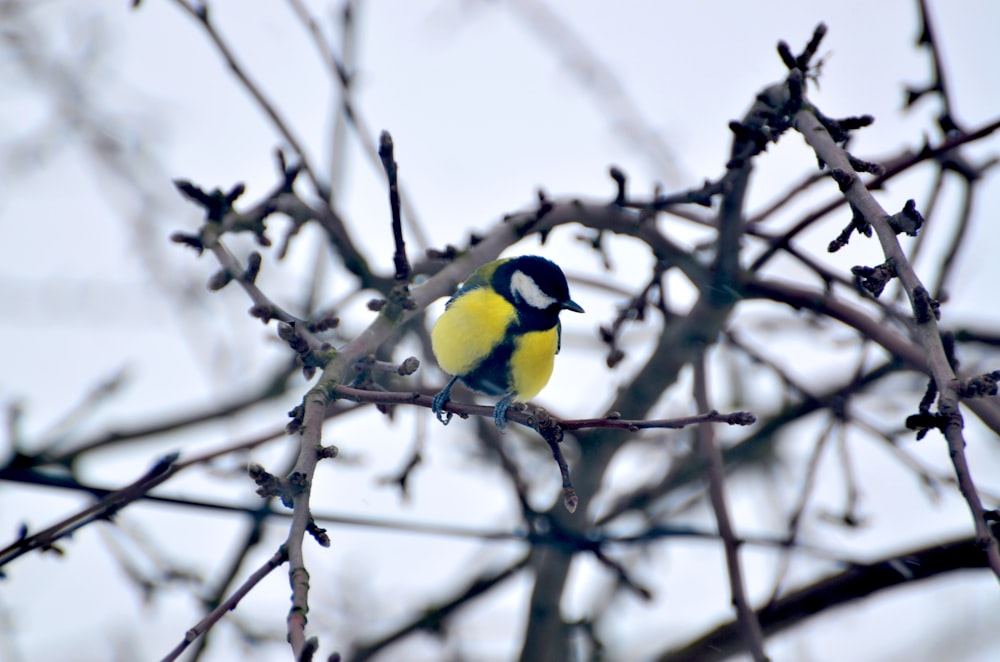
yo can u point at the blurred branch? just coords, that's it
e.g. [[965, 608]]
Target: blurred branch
[[709, 452], [342, 71], [946, 119], [433, 618], [104, 509], [271, 389], [325, 215], [266, 511], [96, 396], [200, 12], [871, 328], [859, 581], [601, 83], [959, 235], [751, 449]]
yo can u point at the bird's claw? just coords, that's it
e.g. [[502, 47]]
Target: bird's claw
[[437, 405]]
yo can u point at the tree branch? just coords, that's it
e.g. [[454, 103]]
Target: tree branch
[[928, 334], [710, 454], [857, 582]]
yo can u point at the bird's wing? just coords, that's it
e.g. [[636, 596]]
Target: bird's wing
[[479, 278]]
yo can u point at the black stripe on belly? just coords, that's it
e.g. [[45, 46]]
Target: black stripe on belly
[[492, 376]]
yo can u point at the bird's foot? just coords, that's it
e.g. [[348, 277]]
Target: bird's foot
[[440, 400], [500, 411]]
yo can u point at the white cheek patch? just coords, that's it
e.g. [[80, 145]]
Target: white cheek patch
[[525, 288]]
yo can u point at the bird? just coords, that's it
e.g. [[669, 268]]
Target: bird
[[500, 332]]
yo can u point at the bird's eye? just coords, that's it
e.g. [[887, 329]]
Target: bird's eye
[[526, 289]]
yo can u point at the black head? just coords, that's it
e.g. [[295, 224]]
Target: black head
[[536, 287]]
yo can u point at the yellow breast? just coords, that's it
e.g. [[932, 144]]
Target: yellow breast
[[532, 361], [470, 330]]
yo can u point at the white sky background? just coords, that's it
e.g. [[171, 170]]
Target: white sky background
[[483, 112]]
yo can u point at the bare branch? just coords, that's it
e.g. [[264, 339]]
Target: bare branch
[[925, 319], [716, 489]]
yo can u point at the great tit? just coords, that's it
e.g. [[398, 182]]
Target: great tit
[[500, 331]]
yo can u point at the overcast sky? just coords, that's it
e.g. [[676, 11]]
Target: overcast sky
[[486, 104]]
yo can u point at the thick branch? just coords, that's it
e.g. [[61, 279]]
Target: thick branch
[[855, 583]]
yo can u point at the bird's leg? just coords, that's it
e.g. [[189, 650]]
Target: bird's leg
[[440, 400], [500, 411]]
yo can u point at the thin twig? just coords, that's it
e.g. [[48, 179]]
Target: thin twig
[[431, 618], [533, 417], [260, 300], [112, 502], [946, 119], [228, 605], [892, 340], [805, 492], [272, 388], [749, 624], [200, 14], [437, 528], [893, 169], [103, 509], [960, 235], [341, 71], [599, 80]]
